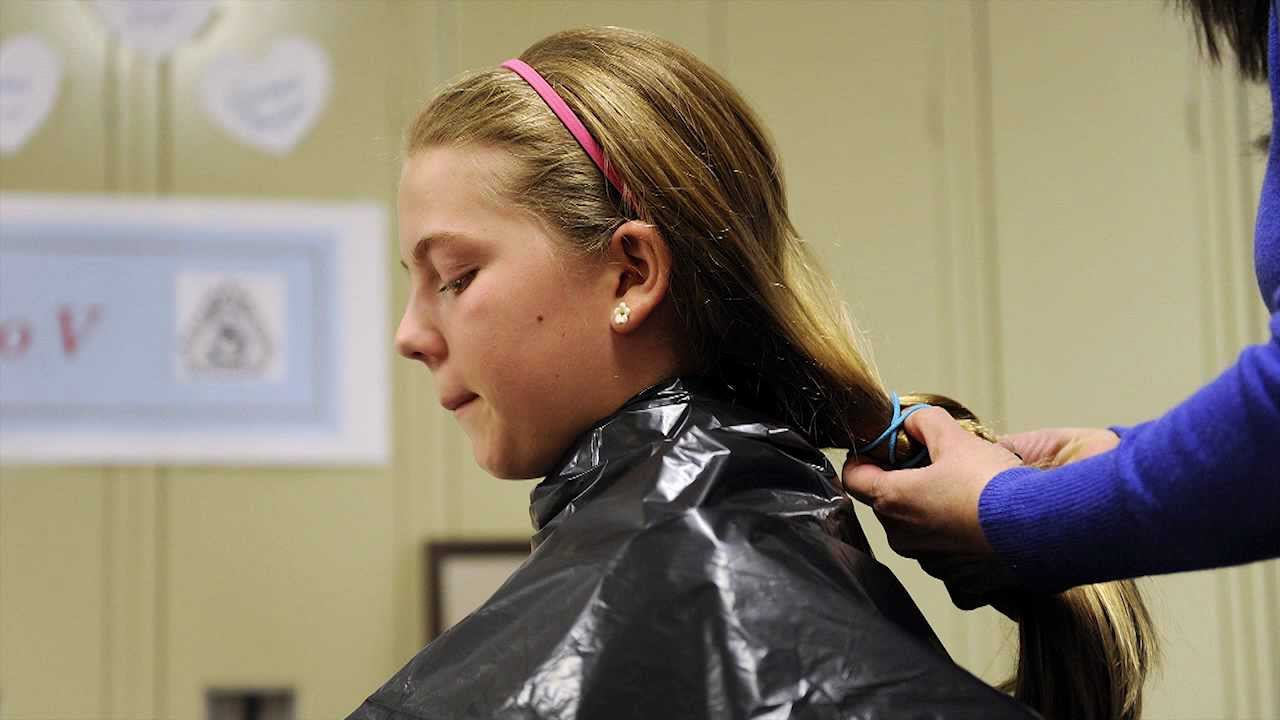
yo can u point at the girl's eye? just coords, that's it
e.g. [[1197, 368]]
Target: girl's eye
[[457, 286]]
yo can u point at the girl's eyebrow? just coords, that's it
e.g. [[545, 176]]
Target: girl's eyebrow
[[425, 244]]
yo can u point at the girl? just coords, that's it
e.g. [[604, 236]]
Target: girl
[[608, 291]]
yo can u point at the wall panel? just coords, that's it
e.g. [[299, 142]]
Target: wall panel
[[56, 638], [285, 577], [422, 505], [852, 111]]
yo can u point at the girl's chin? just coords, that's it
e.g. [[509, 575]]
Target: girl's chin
[[507, 468]]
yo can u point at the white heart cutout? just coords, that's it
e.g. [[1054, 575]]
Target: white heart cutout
[[30, 75], [270, 104], [155, 27]]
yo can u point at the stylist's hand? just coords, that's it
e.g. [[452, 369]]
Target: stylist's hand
[[932, 510]]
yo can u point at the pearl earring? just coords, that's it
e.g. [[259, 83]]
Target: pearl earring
[[621, 314]]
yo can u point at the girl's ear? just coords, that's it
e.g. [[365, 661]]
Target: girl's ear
[[641, 261]]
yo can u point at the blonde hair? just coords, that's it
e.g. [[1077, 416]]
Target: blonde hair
[[759, 319]]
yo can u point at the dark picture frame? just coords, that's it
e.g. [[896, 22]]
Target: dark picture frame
[[442, 555]]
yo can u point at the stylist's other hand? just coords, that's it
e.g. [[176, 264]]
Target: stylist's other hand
[[1052, 447], [932, 510]]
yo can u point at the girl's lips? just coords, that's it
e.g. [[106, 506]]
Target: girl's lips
[[455, 403]]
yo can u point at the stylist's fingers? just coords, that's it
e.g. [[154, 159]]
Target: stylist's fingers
[[1059, 446], [898, 495], [1035, 446], [907, 537], [887, 491], [937, 429]]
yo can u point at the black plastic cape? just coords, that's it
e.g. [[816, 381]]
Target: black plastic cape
[[691, 560]]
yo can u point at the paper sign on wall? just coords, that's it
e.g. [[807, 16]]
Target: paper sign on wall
[[30, 75], [155, 27], [269, 104], [135, 330]]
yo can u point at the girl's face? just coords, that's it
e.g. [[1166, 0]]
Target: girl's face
[[516, 334]]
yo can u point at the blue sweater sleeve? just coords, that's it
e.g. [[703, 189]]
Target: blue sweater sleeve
[[1197, 488]]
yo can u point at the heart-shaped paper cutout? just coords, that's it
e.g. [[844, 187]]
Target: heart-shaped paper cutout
[[30, 74], [155, 27], [270, 104]]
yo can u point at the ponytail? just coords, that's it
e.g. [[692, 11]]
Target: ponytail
[[1083, 654]]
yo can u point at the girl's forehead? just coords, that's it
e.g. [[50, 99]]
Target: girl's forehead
[[469, 167], [455, 181], [449, 198]]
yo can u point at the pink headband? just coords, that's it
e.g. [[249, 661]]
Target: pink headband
[[571, 122]]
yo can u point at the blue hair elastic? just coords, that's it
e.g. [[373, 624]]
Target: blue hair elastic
[[891, 434]]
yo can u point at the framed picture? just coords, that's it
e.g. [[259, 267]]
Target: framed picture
[[462, 574], [192, 331]]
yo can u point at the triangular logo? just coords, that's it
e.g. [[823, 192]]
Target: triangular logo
[[226, 335]]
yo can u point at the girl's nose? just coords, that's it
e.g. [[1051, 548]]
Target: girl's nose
[[418, 340]]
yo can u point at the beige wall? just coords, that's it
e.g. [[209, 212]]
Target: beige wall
[[1041, 208]]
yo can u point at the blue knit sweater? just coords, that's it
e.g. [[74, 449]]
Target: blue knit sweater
[[1196, 488]]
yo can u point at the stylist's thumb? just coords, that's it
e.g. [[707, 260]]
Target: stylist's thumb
[[863, 480]]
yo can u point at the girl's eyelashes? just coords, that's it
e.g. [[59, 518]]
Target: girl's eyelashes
[[457, 286]]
